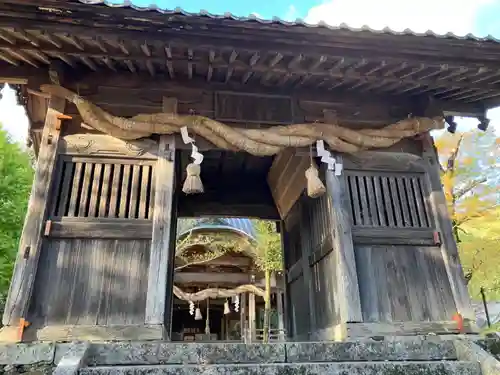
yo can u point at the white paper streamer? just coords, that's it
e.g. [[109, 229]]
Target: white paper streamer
[[195, 154], [326, 157]]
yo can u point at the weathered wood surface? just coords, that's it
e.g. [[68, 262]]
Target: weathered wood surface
[[403, 283], [384, 161], [393, 236], [287, 179], [99, 333], [100, 228], [30, 244], [106, 145], [449, 250], [364, 330], [91, 282], [346, 278], [103, 187], [390, 200], [161, 268]]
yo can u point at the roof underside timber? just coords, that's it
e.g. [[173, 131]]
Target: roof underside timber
[[95, 37]]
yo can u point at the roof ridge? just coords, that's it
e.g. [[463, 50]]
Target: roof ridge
[[298, 22]]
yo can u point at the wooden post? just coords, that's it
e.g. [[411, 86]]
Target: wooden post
[[348, 296], [23, 278], [449, 250], [251, 317], [159, 297], [243, 316], [287, 307], [281, 317]]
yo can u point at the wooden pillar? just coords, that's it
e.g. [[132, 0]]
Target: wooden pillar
[[281, 317], [159, 297], [442, 221], [305, 243], [23, 278], [287, 307], [346, 279], [252, 328], [243, 316]]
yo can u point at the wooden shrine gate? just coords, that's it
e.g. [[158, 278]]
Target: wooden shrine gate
[[371, 256]]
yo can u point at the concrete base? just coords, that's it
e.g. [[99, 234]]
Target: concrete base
[[360, 368]]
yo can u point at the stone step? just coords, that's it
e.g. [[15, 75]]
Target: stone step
[[352, 368], [155, 353]]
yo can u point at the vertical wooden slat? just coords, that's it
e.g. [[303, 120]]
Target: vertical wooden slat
[[424, 193], [86, 190], [387, 201], [54, 201], [125, 191], [403, 199], [135, 192], [395, 202], [114, 201], [353, 186], [74, 201], [365, 211], [143, 199], [63, 197], [411, 202], [25, 268], [419, 201], [95, 191], [449, 249], [104, 202], [348, 297], [379, 201], [159, 298]]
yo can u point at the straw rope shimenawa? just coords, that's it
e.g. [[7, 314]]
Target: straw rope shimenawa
[[217, 293], [259, 142]]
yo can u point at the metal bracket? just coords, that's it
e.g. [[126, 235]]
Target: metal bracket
[[27, 251]]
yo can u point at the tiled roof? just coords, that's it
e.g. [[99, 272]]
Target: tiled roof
[[241, 225], [278, 21]]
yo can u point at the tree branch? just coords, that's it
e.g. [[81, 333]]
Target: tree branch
[[471, 185]]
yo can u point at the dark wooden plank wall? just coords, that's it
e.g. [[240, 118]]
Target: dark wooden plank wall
[[401, 272], [311, 266], [403, 283], [91, 282], [94, 262]]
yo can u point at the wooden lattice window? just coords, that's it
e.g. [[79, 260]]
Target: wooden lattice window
[[110, 188], [395, 200]]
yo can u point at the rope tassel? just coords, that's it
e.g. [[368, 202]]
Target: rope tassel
[[193, 184], [315, 187]]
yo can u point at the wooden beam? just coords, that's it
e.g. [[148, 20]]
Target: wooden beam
[[161, 267], [212, 278], [66, 333], [346, 278], [100, 228], [442, 221], [30, 244]]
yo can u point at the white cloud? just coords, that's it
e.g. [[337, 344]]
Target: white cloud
[[291, 13], [13, 116], [441, 16]]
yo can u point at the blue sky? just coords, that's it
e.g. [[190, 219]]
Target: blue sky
[[479, 17]]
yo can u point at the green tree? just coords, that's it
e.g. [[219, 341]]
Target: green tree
[[16, 175], [470, 172], [269, 257]]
